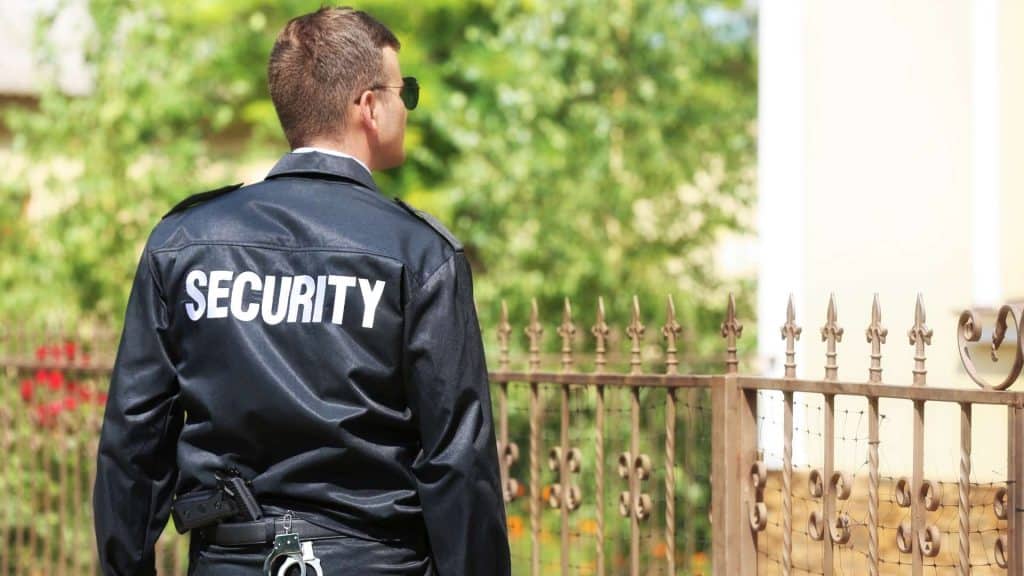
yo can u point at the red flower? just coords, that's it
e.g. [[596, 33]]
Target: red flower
[[47, 413], [69, 351], [27, 390], [101, 398], [41, 353], [56, 380]]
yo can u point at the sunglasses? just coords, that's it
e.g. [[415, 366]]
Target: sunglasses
[[409, 92]]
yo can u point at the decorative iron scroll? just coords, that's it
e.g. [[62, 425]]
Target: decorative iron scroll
[[969, 330]]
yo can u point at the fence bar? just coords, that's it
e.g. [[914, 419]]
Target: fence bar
[[6, 441], [690, 432], [635, 331], [873, 486], [828, 497], [670, 331], [831, 334], [1015, 494], [567, 330], [876, 335], [920, 335], [634, 488], [600, 331], [534, 479], [504, 329], [533, 331], [916, 507], [965, 490], [787, 486], [599, 482], [790, 333], [563, 480]]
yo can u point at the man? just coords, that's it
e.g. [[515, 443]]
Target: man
[[303, 354]]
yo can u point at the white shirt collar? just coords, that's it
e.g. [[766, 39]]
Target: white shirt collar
[[306, 149]]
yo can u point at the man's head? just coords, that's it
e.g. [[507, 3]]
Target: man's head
[[335, 81]]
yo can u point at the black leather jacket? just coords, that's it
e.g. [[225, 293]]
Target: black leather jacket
[[320, 339]]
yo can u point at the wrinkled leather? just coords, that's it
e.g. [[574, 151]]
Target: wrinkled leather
[[384, 432]]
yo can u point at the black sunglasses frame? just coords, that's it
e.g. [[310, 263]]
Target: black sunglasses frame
[[409, 91]]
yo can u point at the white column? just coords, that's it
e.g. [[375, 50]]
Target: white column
[[985, 136], [781, 171]]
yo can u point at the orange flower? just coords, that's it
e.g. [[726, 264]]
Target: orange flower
[[660, 549], [515, 526], [588, 527]]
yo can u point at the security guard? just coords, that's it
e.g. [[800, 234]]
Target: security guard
[[301, 379]]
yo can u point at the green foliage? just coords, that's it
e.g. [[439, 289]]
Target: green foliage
[[579, 148]]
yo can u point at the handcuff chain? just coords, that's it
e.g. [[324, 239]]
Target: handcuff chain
[[287, 521]]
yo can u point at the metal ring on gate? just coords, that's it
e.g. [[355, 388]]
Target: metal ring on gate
[[999, 503], [969, 330], [574, 460], [1001, 549], [512, 489], [815, 526], [840, 529], [929, 499], [644, 506], [903, 497], [555, 496], [511, 453], [574, 497], [624, 504], [625, 459], [842, 485], [903, 541], [758, 516], [758, 476], [814, 484], [930, 540], [643, 466], [555, 459]]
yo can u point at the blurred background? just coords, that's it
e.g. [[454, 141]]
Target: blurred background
[[578, 148]]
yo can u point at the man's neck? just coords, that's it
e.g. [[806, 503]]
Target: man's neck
[[334, 150]]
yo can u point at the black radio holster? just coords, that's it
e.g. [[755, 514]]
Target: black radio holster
[[207, 507]]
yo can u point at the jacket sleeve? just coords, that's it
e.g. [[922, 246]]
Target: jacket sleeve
[[457, 468], [136, 466]]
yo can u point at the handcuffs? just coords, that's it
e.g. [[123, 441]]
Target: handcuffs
[[288, 546]]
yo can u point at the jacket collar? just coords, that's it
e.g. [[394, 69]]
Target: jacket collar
[[323, 165]]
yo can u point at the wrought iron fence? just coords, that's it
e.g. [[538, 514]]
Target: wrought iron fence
[[640, 469]]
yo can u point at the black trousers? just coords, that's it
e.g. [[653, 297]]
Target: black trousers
[[342, 556]]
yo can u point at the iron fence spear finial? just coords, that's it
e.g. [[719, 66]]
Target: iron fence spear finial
[[876, 334], [636, 331], [732, 330], [920, 335], [671, 331], [534, 331], [831, 333], [791, 333], [567, 331]]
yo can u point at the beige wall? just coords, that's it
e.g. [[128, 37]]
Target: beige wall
[[886, 199], [1011, 73]]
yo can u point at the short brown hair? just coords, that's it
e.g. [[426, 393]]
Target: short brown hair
[[320, 63]]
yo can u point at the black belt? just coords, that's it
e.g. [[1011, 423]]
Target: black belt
[[263, 532]]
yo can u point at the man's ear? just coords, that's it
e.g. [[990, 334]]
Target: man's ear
[[368, 109]]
